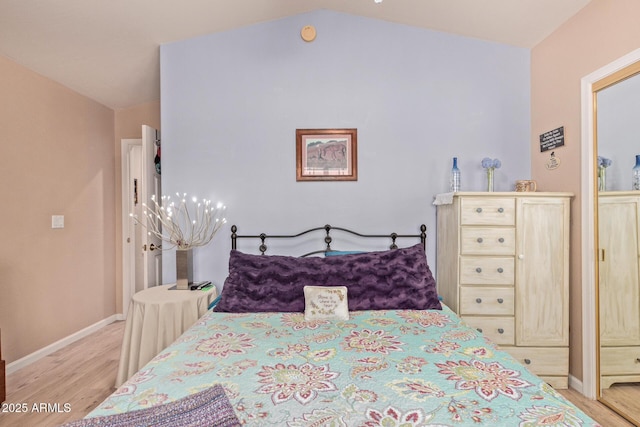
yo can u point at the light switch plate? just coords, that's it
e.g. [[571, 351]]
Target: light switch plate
[[57, 221]]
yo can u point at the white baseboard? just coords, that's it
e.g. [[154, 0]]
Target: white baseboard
[[45, 351], [575, 384]]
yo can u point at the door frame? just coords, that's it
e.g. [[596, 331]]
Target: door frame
[[590, 329], [128, 250]]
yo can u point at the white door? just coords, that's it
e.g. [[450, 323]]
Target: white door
[[141, 262], [151, 186], [131, 154]]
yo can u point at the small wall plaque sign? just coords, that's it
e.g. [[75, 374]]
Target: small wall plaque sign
[[552, 139]]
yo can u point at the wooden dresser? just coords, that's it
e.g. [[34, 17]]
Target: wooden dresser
[[619, 296], [3, 387], [503, 266]]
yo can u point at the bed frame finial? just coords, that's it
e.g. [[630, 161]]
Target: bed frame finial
[[394, 236], [327, 238], [263, 246], [234, 236]]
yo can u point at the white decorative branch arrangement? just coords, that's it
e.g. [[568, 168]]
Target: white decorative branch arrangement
[[183, 225]]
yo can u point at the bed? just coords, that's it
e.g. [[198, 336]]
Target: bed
[[342, 339]]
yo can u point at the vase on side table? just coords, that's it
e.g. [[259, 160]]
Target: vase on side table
[[184, 268]]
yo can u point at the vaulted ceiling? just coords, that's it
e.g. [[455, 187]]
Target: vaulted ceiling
[[108, 50]]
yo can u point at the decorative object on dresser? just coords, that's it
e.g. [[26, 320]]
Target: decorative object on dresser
[[618, 268], [183, 225], [490, 165], [454, 183], [3, 386], [503, 266], [524, 185], [636, 174], [603, 164]]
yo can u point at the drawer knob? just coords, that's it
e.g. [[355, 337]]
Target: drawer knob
[[479, 240], [501, 240], [479, 330], [501, 331], [500, 210], [500, 300], [500, 270], [637, 359], [527, 361], [478, 270], [478, 300], [478, 210]]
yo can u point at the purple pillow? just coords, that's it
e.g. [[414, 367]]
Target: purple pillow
[[390, 280]]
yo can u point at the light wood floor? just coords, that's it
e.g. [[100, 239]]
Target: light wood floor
[[82, 375], [624, 396]]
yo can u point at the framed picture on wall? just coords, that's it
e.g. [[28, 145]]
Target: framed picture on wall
[[326, 154]]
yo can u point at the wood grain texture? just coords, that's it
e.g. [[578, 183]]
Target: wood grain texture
[[596, 410], [511, 261], [542, 272], [619, 270], [626, 398], [67, 384]]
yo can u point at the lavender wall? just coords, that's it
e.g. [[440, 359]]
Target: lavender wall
[[231, 103]]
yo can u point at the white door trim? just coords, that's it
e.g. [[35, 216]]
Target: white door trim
[[589, 327], [151, 188], [128, 250]]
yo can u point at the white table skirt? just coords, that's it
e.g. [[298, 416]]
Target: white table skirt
[[157, 317]]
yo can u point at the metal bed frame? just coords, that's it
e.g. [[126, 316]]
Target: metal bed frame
[[327, 238]]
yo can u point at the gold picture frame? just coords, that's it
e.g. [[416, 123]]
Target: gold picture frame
[[326, 154]]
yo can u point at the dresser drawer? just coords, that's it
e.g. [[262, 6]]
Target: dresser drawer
[[486, 270], [486, 301], [500, 330], [542, 360], [488, 211], [620, 360], [487, 241]]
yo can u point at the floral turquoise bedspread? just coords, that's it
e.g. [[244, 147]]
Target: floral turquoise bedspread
[[379, 368]]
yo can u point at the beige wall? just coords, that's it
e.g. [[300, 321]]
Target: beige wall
[[57, 159], [602, 32], [128, 125], [60, 156]]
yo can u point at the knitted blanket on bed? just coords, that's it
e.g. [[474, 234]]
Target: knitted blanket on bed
[[209, 407]]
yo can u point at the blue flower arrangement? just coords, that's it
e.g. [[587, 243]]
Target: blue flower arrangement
[[488, 163], [603, 162]]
